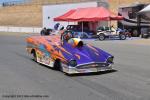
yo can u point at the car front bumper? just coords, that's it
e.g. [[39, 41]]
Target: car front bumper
[[76, 70]]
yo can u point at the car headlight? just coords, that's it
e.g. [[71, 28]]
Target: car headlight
[[110, 59], [72, 63]]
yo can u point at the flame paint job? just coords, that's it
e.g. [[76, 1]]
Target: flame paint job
[[52, 47]]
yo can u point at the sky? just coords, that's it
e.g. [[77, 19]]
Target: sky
[[1, 1]]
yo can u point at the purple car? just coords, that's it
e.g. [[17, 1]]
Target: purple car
[[73, 56]]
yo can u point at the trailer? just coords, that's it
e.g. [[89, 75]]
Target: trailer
[[133, 21]]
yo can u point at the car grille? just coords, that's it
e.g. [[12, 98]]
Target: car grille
[[94, 65]]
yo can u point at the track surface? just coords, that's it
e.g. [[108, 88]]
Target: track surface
[[19, 75]]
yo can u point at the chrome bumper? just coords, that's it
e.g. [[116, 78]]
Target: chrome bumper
[[76, 70]]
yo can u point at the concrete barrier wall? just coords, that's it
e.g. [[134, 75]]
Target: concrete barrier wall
[[52, 11], [20, 29]]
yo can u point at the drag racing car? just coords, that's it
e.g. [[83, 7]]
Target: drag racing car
[[70, 57], [110, 32], [78, 32]]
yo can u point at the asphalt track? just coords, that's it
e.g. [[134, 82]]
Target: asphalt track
[[23, 79]]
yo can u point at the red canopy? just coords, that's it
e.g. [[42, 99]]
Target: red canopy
[[88, 14], [64, 16]]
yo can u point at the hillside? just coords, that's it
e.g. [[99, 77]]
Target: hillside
[[114, 4], [31, 14], [24, 15]]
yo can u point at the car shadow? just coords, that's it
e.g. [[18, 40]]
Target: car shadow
[[92, 73], [79, 74], [42, 64]]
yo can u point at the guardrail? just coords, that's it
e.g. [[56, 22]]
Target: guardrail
[[12, 3], [44, 2], [20, 29]]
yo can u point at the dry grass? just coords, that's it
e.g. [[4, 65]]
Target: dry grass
[[31, 14], [114, 4], [25, 15]]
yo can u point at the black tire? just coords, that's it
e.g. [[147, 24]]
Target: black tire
[[135, 33], [101, 37], [33, 52], [57, 65], [142, 36], [84, 36], [122, 36]]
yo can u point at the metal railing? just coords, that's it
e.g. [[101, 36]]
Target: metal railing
[[13, 3], [42, 2], [20, 29], [49, 2]]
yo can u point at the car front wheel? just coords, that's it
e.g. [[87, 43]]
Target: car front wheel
[[57, 65], [101, 37]]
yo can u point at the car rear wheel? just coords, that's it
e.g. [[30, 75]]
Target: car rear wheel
[[122, 36], [57, 65], [34, 56], [101, 37]]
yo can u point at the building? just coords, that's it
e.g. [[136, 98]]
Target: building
[[52, 11]]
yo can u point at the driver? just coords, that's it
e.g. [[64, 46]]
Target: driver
[[66, 35]]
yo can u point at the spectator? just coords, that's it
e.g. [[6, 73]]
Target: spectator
[[113, 30], [4, 4], [65, 36], [61, 27], [56, 26]]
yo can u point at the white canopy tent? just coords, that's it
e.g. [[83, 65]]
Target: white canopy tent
[[145, 10]]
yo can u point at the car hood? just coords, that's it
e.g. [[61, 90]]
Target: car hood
[[86, 54]]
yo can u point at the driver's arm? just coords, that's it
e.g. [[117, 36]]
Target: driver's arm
[[62, 38]]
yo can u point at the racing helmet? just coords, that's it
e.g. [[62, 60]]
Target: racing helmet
[[75, 42], [67, 35]]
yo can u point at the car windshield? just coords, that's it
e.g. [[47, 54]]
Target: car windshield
[[72, 27], [104, 28]]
